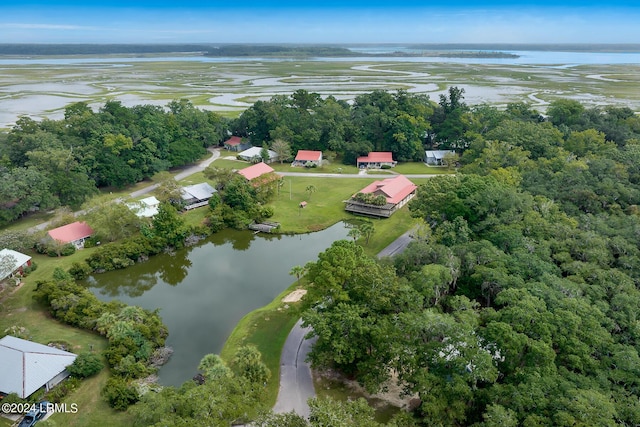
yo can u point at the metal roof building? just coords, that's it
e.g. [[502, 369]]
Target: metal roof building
[[27, 366]]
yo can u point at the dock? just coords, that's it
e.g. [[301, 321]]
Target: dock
[[264, 227]]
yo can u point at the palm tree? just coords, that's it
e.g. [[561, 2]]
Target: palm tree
[[367, 229], [311, 189], [298, 271], [356, 233]]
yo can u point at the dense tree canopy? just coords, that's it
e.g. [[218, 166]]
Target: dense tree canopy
[[519, 307], [50, 163]]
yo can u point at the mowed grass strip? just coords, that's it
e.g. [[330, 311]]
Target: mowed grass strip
[[93, 410], [267, 328]]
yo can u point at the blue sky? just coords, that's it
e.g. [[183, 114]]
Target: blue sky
[[316, 21]]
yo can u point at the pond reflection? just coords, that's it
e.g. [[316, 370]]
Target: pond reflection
[[204, 290]]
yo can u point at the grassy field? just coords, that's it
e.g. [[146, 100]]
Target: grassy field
[[324, 207]]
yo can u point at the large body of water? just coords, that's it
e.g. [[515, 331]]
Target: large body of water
[[203, 291], [532, 57]]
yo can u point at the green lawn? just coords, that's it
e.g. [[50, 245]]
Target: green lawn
[[230, 164], [421, 168], [267, 328], [93, 411], [332, 168], [324, 207]]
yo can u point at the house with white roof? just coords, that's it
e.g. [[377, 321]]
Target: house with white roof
[[254, 155], [28, 366], [436, 157], [12, 262], [145, 208], [197, 195]]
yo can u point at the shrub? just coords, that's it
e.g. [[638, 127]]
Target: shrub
[[12, 398], [119, 394], [86, 365], [29, 269], [267, 212], [79, 270], [61, 390], [214, 220], [92, 241], [65, 250], [214, 201], [385, 167]]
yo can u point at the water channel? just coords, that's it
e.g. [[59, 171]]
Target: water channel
[[204, 290]]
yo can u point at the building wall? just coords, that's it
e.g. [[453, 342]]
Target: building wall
[[56, 380]]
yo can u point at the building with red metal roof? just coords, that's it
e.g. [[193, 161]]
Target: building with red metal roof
[[376, 160], [382, 198], [307, 158], [75, 233]]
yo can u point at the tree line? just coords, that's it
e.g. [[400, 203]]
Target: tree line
[[51, 163], [54, 163]]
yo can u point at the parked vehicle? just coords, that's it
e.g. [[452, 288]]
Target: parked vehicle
[[36, 414]]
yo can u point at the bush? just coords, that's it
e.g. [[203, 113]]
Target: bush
[[12, 398], [267, 212], [385, 167], [29, 269], [119, 394], [65, 250], [92, 241], [86, 365], [79, 271], [61, 390]]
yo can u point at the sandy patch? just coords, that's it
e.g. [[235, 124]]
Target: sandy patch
[[295, 296]]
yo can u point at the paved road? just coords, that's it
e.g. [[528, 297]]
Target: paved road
[[296, 383], [398, 245], [189, 170], [353, 175]]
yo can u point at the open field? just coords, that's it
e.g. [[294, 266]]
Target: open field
[[43, 90]]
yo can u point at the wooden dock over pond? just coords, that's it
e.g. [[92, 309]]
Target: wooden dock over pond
[[264, 227]]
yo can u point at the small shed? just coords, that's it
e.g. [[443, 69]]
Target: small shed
[[145, 208]]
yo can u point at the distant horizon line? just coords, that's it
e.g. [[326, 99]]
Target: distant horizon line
[[415, 43]]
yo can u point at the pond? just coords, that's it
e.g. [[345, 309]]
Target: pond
[[204, 290]]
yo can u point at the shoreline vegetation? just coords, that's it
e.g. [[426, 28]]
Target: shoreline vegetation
[[308, 50]]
